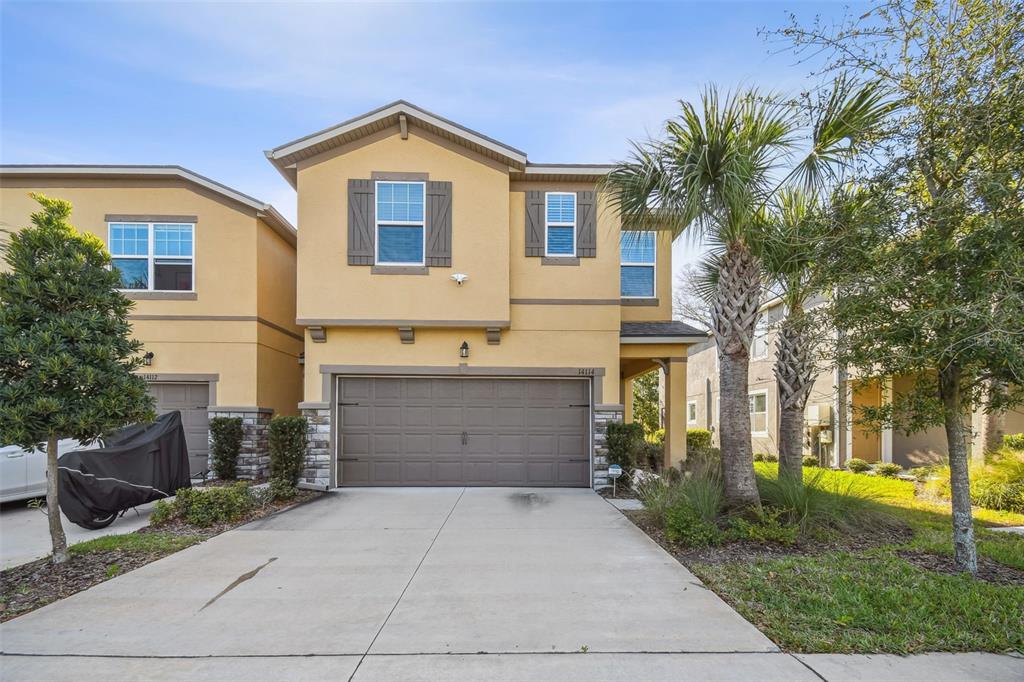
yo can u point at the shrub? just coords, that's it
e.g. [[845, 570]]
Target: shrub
[[758, 456], [685, 525], [888, 469], [205, 506], [1014, 441], [857, 466], [651, 455], [1000, 483], [768, 527], [624, 442], [698, 439], [281, 489], [771, 457], [810, 461], [286, 438], [225, 444], [921, 474], [658, 437]]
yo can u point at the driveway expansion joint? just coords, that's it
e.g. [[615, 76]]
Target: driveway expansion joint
[[405, 589]]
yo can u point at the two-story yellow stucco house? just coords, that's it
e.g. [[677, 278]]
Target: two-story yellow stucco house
[[212, 273], [470, 317]]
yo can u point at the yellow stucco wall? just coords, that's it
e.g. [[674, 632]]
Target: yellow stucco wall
[[330, 289], [227, 239]]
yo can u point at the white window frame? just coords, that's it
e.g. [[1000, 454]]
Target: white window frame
[[761, 331], [377, 223], [750, 395], [693, 404], [653, 265], [550, 223], [151, 256]]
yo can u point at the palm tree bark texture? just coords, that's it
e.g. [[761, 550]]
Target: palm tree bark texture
[[734, 315]]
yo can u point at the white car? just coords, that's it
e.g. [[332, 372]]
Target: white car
[[23, 472]]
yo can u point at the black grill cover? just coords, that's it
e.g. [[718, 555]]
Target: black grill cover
[[140, 463]]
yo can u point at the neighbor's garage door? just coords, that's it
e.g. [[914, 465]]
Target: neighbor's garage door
[[441, 431], [191, 400]]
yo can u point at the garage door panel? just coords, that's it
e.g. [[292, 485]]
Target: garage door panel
[[192, 401], [386, 471], [355, 389], [388, 443], [417, 415], [478, 417], [461, 431], [448, 416], [418, 389], [355, 444]]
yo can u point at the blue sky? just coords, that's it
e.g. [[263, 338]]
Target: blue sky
[[210, 86]]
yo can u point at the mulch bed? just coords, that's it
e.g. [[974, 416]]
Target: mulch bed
[[988, 570], [752, 551], [623, 492], [33, 585]]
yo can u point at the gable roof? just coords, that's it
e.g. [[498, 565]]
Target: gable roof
[[400, 113], [265, 211]]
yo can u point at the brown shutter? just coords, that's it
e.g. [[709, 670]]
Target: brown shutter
[[361, 213], [535, 223], [586, 225], [439, 224]]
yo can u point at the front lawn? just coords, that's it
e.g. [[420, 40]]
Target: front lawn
[[880, 581]]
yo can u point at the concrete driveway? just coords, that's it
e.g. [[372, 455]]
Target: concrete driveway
[[392, 584], [25, 535]]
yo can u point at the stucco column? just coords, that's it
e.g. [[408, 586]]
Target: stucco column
[[626, 398], [887, 431], [675, 411]]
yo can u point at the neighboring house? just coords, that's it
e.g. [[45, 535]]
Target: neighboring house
[[470, 317], [212, 272], [821, 427]]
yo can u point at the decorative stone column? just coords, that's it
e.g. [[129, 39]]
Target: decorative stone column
[[316, 470], [603, 414], [254, 457]]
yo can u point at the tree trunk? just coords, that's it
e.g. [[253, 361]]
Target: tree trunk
[[794, 375], [734, 315], [965, 553], [57, 539]]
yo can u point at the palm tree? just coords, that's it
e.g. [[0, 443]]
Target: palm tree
[[714, 175], [790, 263]]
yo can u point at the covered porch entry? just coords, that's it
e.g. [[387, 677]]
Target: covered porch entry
[[661, 346]]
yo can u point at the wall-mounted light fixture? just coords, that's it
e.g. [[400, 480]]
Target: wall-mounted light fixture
[[147, 359], [464, 350]]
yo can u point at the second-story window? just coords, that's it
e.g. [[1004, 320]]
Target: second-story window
[[400, 224], [759, 345], [637, 264], [153, 256], [560, 216]]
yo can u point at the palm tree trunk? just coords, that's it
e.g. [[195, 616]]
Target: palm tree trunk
[[57, 538], [794, 374], [734, 315], [965, 553]]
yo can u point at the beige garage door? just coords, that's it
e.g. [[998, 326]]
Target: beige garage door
[[191, 400], [447, 431]]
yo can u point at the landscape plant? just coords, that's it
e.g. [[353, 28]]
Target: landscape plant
[[932, 285], [624, 443], [714, 174], [226, 436], [857, 465], [67, 356], [1014, 441], [204, 507], [888, 469], [646, 406], [286, 442]]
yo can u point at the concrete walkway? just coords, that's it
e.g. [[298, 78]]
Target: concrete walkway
[[25, 535], [374, 584]]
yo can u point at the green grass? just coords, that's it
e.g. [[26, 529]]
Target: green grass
[[869, 602], [142, 543], [873, 601]]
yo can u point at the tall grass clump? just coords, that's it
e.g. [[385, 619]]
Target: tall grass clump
[[824, 501]]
